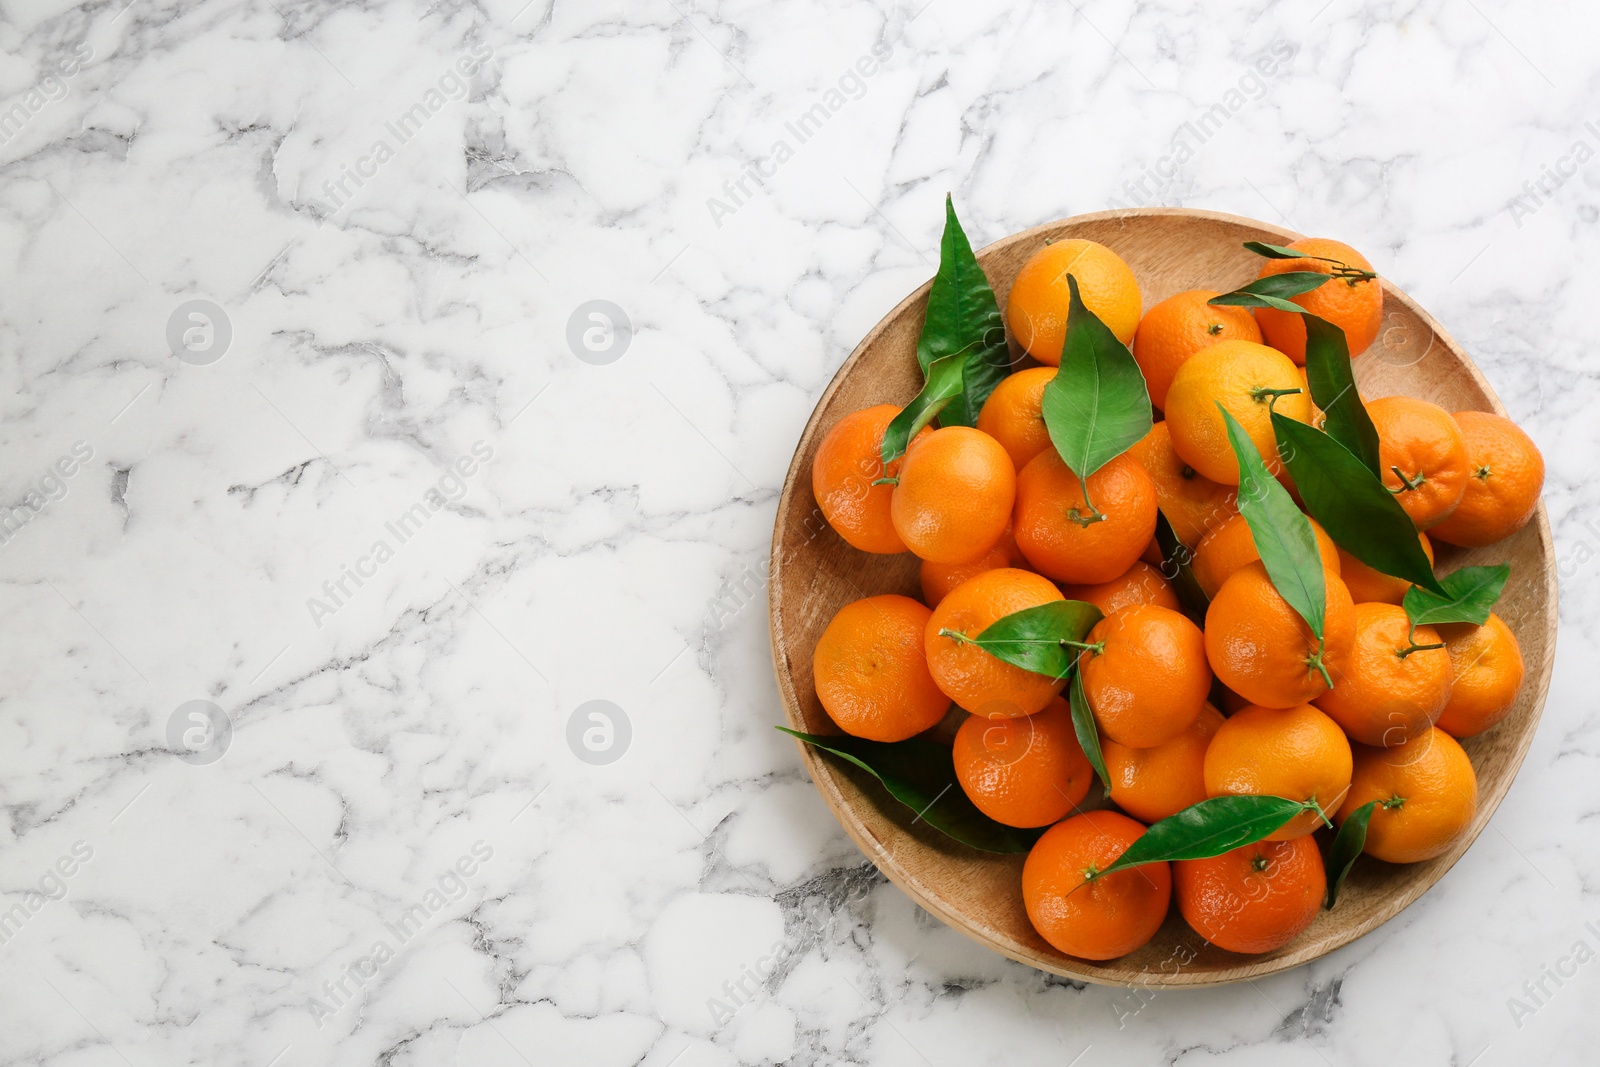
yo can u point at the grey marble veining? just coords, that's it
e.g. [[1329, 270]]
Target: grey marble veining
[[310, 590]]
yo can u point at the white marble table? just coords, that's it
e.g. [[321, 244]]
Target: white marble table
[[394, 532]]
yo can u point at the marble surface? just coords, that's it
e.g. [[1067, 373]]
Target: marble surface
[[315, 582]]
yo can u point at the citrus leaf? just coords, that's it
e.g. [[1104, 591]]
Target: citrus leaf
[[1473, 592], [1176, 566], [963, 316], [1031, 638], [1333, 389], [1282, 534], [1284, 286], [1242, 298], [1208, 829], [1261, 248], [944, 385], [921, 775], [1356, 509], [1347, 845], [1083, 725], [1097, 405]]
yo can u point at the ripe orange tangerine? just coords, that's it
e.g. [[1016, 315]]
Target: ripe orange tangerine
[[1028, 771], [1072, 540]]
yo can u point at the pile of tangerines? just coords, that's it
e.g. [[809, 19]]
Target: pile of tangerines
[[1238, 699]]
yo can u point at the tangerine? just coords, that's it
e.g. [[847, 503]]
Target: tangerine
[[1113, 914], [1505, 475], [1352, 303], [956, 489], [871, 673], [1298, 753], [1078, 541], [1037, 306], [846, 474], [1027, 771], [967, 674]]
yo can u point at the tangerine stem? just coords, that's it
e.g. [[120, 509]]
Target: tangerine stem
[[1092, 514], [1312, 805], [1316, 661], [1404, 652], [955, 635], [1259, 395], [887, 481], [1098, 648], [1408, 483]]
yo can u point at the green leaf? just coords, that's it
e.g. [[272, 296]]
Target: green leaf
[[1261, 248], [1097, 405], [1176, 566], [1282, 534], [1473, 592], [1333, 389], [963, 316], [1347, 845], [1208, 829], [1088, 732], [944, 385], [1031, 638], [1244, 299], [1356, 509], [921, 775], [1283, 286]]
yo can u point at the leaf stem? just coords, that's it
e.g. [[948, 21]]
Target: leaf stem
[[956, 635], [1404, 652], [1098, 648], [893, 480]]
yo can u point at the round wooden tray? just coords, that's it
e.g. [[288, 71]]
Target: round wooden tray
[[814, 573]]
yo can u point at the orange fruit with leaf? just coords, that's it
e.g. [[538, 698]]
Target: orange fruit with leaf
[[1094, 918], [1014, 416], [1255, 898], [1425, 793], [968, 674], [1249, 381], [1145, 674], [1352, 299], [1079, 539], [1297, 753], [1423, 456], [1036, 308]]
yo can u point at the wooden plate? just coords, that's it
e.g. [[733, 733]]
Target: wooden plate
[[814, 573]]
